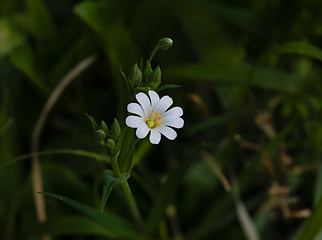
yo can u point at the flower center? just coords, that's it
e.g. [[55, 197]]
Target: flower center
[[153, 121]]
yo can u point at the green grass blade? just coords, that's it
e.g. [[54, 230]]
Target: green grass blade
[[66, 225], [313, 225], [302, 48], [167, 192], [77, 152], [110, 222], [220, 72]]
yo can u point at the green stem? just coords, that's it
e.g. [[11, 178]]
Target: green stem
[[115, 167], [132, 205], [152, 54]]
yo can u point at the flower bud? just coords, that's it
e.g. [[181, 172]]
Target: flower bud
[[100, 135], [104, 127], [165, 43], [153, 78], [110, 144], [116, 130], [135, 75]]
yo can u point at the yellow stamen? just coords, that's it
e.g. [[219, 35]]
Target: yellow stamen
[[151, 119], [147, 119], [159, 117], [156, 113], [156, 121], [151, 114], [159, 124]]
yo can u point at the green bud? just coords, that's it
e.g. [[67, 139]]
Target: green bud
[[110, 144], [156, 75], [104, 127], [153, 78], [136, 75], [116, 130], [165, 43], [100, 135], [94, 124]]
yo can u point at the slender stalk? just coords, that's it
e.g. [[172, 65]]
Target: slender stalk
[[132, 205], [152, 54], [115, 167]]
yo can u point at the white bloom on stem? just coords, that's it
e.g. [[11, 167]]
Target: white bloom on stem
[[153, 117]]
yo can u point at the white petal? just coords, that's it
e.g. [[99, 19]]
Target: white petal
[[142, 131], [145, 103], [170, 121], [155, 137], [173, 112], [133, 121], [163, 104], [154, 98], [168, 132], [136, 109]]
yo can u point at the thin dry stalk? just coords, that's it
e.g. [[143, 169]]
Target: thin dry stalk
[[214, 166], [36, 133]]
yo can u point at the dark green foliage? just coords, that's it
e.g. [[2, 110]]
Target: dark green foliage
[[250, 86]]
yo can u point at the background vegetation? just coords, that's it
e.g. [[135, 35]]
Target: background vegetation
[[250, 76]]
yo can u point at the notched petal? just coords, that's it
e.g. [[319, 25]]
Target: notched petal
[[168, 132], [155, 137], [133, 121], [142, 131]]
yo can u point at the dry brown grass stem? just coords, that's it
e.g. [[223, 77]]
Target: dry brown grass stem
[[214, 166], [36, 133]]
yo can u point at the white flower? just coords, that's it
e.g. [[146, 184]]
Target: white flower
[[153, 117]]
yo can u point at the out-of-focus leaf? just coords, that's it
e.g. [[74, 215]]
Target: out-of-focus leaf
[[208, 37], [246, 20], [41, 21], [66, 225], [313, 225], [59, 151], [109, 182], [117, 41], [302, 48], [318, 186], [267, 78], [110, 222], [222, 119], [22, 58], [94, 14], [9, 38], [167, 192]]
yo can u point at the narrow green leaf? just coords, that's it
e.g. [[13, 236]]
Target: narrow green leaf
[[167, 192], [65, 225], [167, 86], [77, 152], [95, 127], [126, 144], [313, 225], [302, 48], [22, 58], [110, 222], [110, 180]]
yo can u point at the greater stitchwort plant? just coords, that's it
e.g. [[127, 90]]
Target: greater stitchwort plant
[[151, 115]]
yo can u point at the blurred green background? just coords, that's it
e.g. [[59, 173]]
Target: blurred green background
[[250, 76]]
